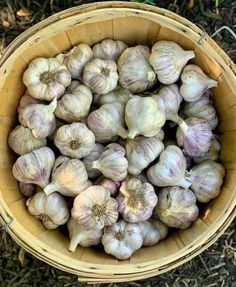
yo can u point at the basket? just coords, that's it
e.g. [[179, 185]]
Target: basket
[[135, 24]]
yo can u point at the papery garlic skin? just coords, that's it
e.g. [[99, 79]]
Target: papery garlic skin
[[40, 119], [207, 179], [177, 207], [135, 72], [157, 224], [141, 122], [35, 167], [52, 210], [25, 101], [213, 152], [79, 235], [69, 177], [122, 239], [112, 162], [168, 60], [74, 140], [107, 122], [109, 49], [141, 151], [170, 170], [27, 189], [46, 79], [22, 141], [194, 83], [111, 185], [136, 200], [95, 208], [100, 75], [75, 104]]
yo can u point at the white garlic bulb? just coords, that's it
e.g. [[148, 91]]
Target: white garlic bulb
[[22, 141], [74, 140], [39, 118], [141, 151], [141, 122], [25, 101], [170, 170], [111, 185], [177, 207], [122, 239], [69, 177], [46, 79], [79, 235], [101, 75], [109, 49], [52, 210], [35, 167], [194, 83], [168, 60], [135, 72]]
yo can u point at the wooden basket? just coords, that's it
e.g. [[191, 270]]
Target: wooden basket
[[135, 24]]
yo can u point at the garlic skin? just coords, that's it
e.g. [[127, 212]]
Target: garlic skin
[[35, 167], [168, 100], [207, 179], [107, 122], [52, 210], [69, 177], [76, 59], [194, 83], [109, 49], [75, 104], [170, 170], [177, 207], [94, 208], [40, 119], [46, 79], [194, 135], [100, 76], [25, 101], [27, 189], [141, 151], [112, 162], [74, 140], [122, 239], [135, 72], [168, 60], [22, 141], [111, 185], [79, 235], [136, 200], [140, 122]]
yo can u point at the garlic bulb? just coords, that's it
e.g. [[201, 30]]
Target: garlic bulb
[[52, 210], [39, 118], [75, 104], [109, 49], [46, 79], [88, 160], [79, 235], [135, 72], [177, 207], [111, 185], [122, 239], [101, 75], [212, 154], [74, 140], [168, 100], [141, 151], [170, 169], [203, 109], [195, 83], [22, 141], [157, 224], [112, 162], [195, 136], [27, 189], [168, 60], [35, 167], [94, 208], [25, 101], [107, 122], [141, 122], [76, 59], [207, 179], [136, 200]]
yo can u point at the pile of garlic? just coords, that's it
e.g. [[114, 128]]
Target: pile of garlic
[[108, 150]]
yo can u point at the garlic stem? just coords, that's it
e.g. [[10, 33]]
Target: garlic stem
[[52, 106], [212, 83], [122, 132], [188, 55], [183, 182], [184, 127], [96, 164], [151, 76], [50, 188], [75, 240], [132, 134]]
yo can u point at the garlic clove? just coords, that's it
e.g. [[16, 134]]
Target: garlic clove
[[111, 185]]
